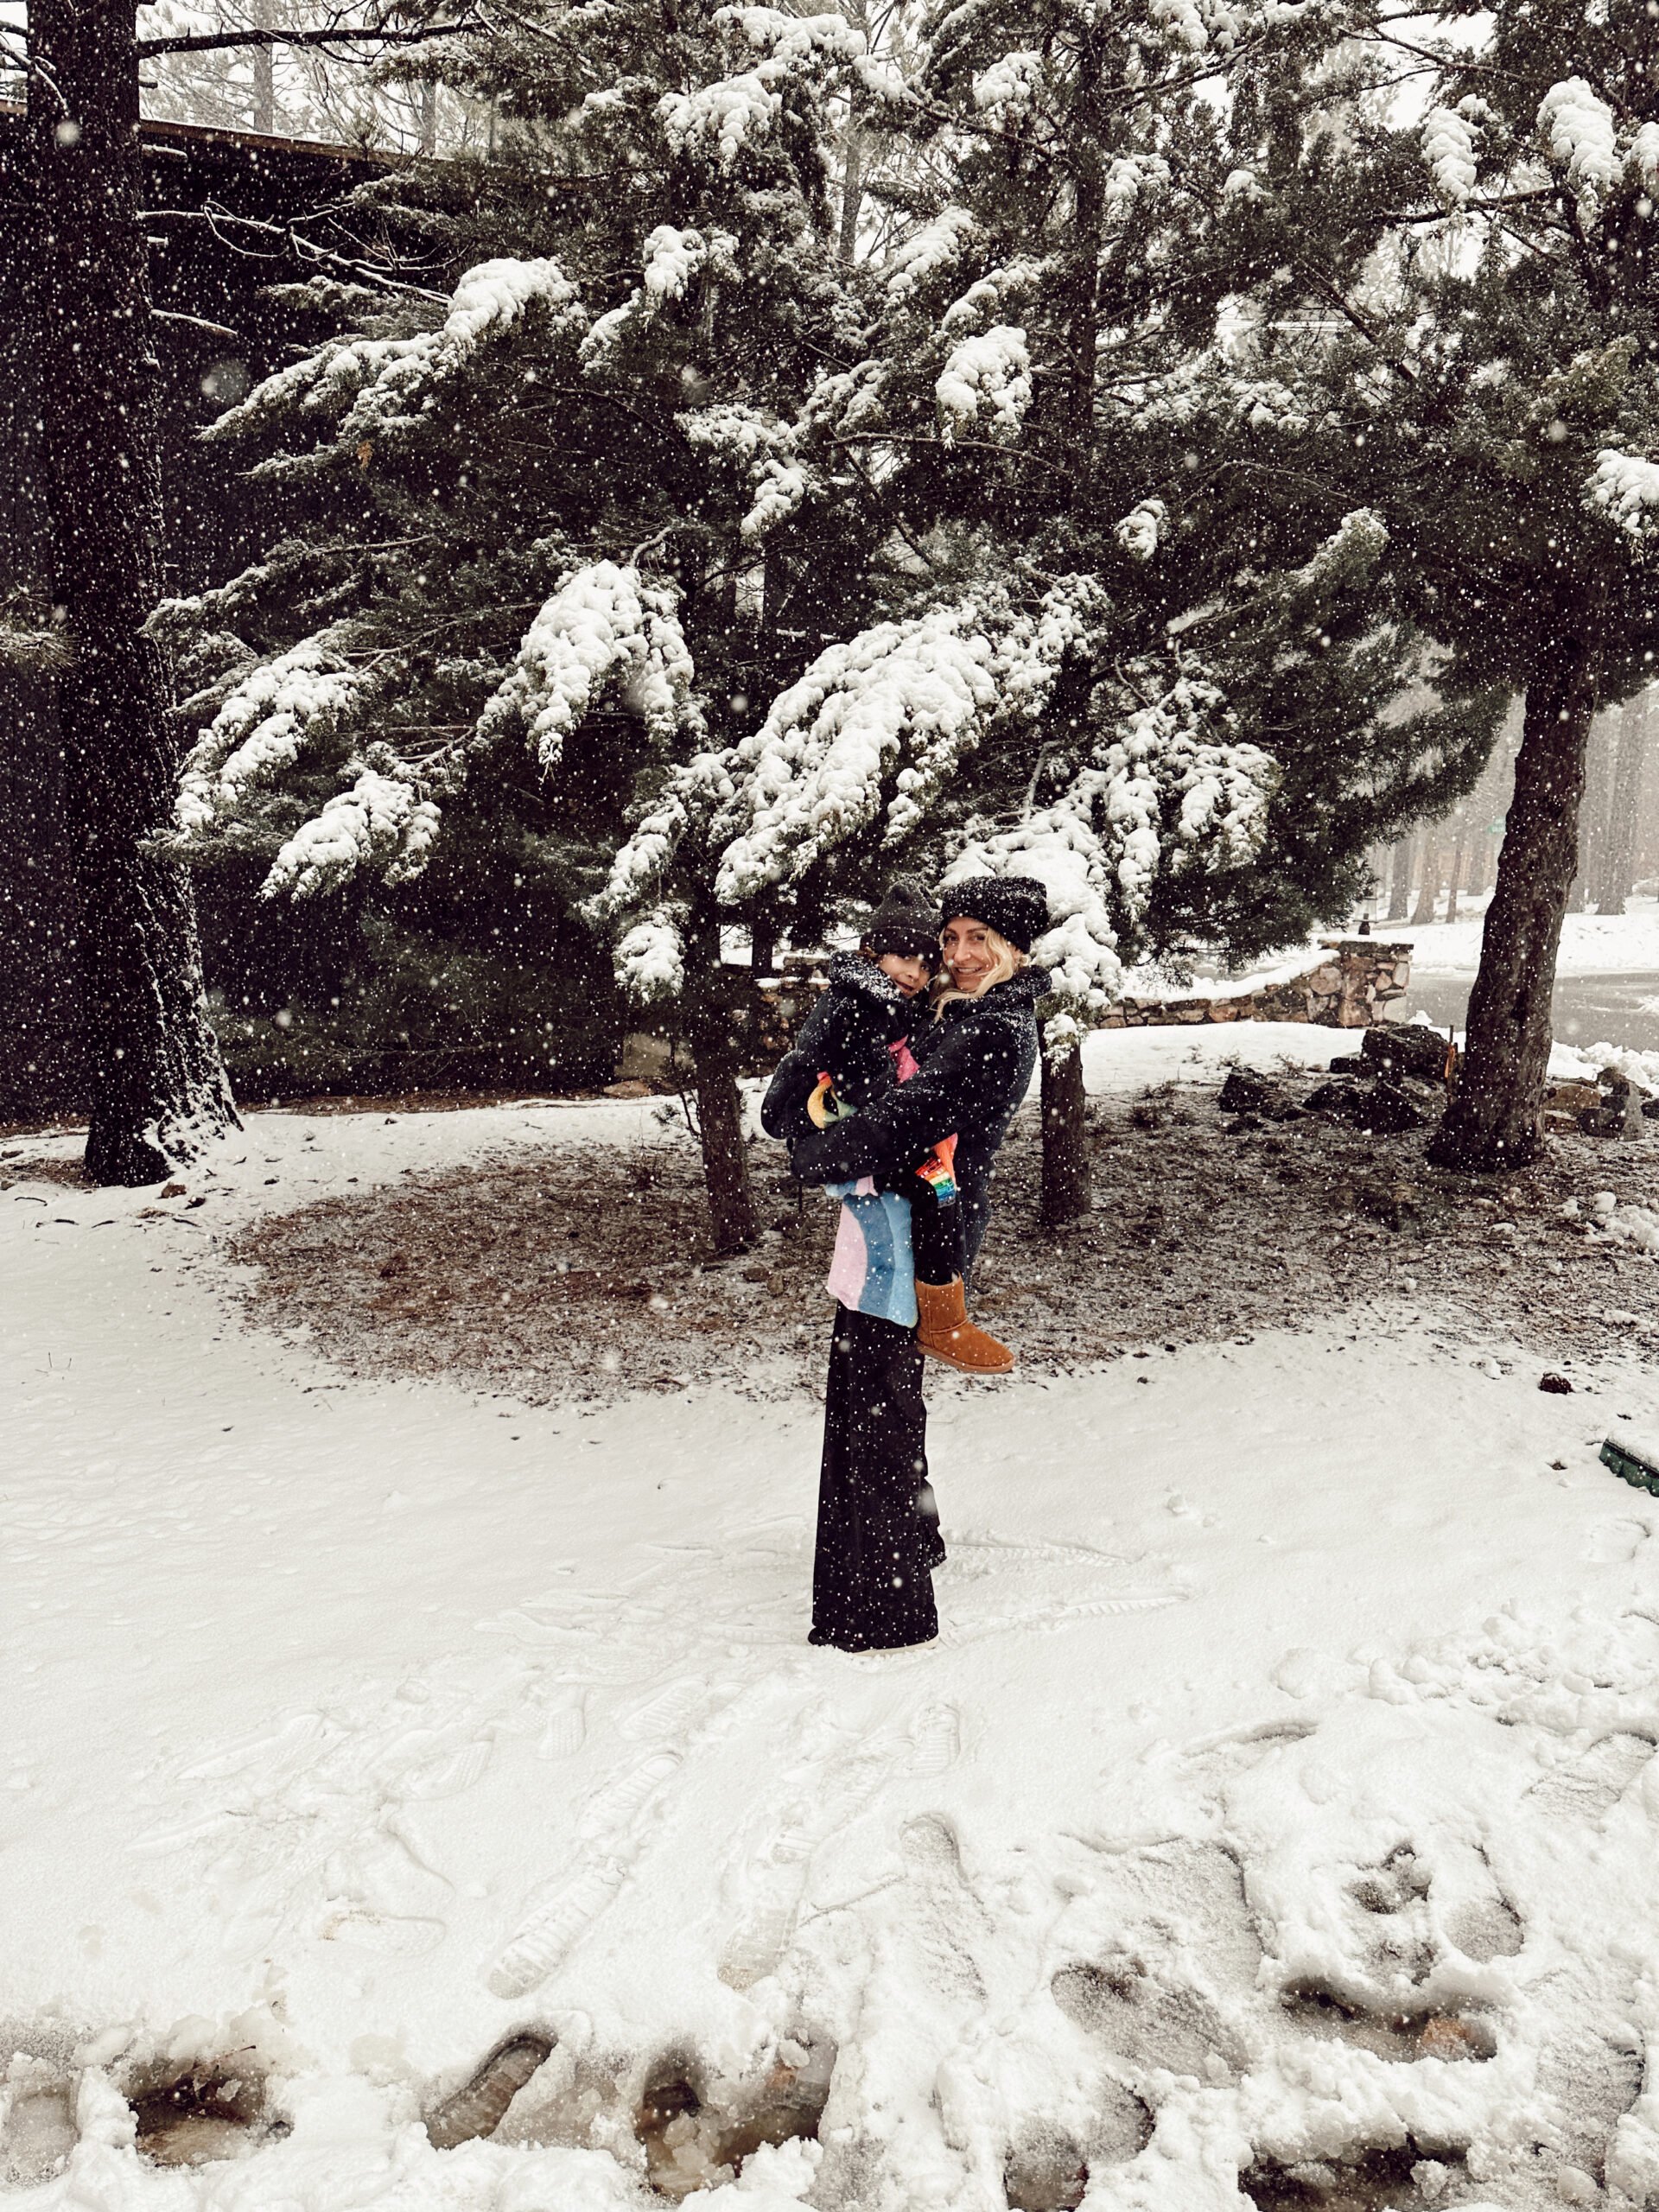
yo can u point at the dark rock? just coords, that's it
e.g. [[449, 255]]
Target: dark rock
[[1385, 1108], [1390, 1109], [1406, 1048], [1396, 1205], [1557, 1385], [1349, 1064], [1245, 1092]]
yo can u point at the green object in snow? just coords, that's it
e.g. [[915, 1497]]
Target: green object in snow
[[1633, 1468]]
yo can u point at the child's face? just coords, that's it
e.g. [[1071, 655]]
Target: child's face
[[912, 974]]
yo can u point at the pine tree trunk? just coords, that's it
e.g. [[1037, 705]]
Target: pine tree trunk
[[1428, 890], [1493, 1122], [1618, 854], [711, 1035], [1400, 879], [1067, 1185], [1455, 881], [157, 1089]]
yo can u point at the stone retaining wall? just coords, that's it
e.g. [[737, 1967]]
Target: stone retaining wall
[[1361, 981]]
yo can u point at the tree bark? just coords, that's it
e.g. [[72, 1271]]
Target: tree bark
[[1455, 881], [157, 1088], [1067, 1182], [1493, 1122], [711, 1034], [1400, 879], [1618, 851], [1428, 890]]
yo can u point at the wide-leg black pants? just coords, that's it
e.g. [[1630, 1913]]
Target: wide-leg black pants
[[878, 1537]]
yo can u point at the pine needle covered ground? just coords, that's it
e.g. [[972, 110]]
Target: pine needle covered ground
[[586, 1272]]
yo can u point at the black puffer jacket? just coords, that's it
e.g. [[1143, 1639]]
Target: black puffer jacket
[[976, 1062], [859, 1014]]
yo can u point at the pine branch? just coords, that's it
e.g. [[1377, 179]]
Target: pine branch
[[216, 41]]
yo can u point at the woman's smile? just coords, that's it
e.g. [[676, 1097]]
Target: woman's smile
[[967, 955]]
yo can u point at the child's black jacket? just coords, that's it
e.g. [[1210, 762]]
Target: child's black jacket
[[859, 1015]]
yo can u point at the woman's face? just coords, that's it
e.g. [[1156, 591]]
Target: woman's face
[[966, 947]]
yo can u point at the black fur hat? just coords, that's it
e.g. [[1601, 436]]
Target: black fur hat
[[904, 923], [1015, 906]]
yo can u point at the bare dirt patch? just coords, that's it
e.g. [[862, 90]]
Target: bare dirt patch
[[585, 1271]]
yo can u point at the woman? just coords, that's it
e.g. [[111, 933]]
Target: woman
[[877, 1539]]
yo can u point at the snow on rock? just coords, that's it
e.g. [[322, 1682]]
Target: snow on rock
[[603, 628], [986, 376], [1625, 488], [1577, 126], [380, 823], [274, 712], [1449, 151]]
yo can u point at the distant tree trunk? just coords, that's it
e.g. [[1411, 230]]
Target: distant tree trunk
[[1493, 1122], [1617, 877], [763, 949], [262, 61], [1067, 1182], [712, 1034], [1455, 879], [1428, 890], [157, 1089], [1400, 879], [430, 119]]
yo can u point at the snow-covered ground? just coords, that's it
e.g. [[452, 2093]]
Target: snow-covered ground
[[1592, 945], [1283, 1788]]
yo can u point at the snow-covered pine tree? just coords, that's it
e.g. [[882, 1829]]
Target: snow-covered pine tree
[[1454, 287], [543, 567], [1051, 391]]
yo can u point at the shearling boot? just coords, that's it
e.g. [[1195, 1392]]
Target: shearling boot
[[944, 1331]]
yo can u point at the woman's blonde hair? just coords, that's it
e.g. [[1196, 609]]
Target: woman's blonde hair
[[1009, 960]]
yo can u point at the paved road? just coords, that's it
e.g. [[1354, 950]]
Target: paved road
[[1619, 1009]]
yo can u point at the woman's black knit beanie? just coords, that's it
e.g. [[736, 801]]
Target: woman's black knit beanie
[[1015, 906], [905, 922]]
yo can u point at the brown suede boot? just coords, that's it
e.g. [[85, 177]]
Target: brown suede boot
[[944, 1331]]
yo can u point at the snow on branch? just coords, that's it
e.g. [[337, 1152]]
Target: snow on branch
[[602, 629], [933, 248], [381, 383], [1141, 529], [876, 727], [1625, 489], [273, 712], [1166, 790], [1449, 153], [381, 823], [1576, 125], [740, 110], [990, 375]]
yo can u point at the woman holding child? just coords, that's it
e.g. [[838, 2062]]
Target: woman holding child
[[908, 1069]]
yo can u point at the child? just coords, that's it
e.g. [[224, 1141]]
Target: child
[[853, 1046]]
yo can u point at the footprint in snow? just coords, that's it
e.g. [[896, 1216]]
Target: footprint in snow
[[1588, 1786], [1615, 1543], [769, 1881]]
